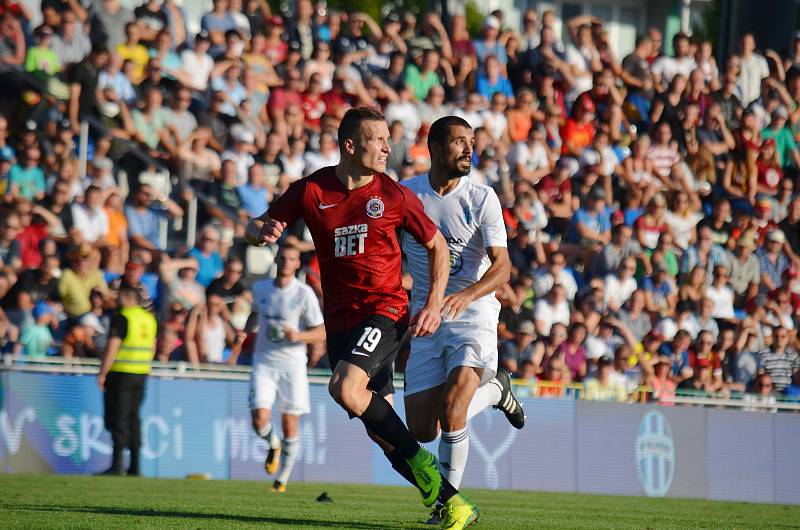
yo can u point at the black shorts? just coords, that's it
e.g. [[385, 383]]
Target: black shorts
[[372, 346]]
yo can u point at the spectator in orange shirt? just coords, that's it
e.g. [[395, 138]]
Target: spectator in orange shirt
[[578, 132]]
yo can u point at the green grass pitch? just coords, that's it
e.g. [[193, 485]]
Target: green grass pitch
[[53, 501]]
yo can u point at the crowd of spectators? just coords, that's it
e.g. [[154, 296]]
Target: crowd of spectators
[[650, 202]]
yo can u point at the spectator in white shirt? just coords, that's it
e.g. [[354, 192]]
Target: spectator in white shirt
[[530, 161], [752, 69], [721, 294], [620, 286], [554, 309], [89, 218], [555, 273], [665, 68]]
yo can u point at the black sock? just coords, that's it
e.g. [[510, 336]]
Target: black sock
[[382, 419], [447, 491], [401, 466]]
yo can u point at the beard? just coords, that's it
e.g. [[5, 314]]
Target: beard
[[458, 171]]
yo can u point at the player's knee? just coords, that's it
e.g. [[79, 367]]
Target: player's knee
[[341, 392], [423, 433]]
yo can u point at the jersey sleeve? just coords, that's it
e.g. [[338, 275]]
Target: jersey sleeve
[[415, 221], [288, 208], [492, 226], [312, 313]]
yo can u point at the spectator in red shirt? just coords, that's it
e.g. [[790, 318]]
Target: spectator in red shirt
[[34, 230], [578, 132], [313, 104], [281, 98]]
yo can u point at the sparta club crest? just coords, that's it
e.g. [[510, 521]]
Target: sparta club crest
[[375, 207]]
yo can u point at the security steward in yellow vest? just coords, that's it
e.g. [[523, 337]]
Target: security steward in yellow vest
[[126, 363]]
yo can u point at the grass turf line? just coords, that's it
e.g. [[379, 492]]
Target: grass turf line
[[52, 501]]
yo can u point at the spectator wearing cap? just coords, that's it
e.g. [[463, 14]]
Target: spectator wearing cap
[[26, 178], [772, 260], [488, 43], [514, 352], [604, 386], [785, 146], [78, 280], [37, 338], [745, 271]]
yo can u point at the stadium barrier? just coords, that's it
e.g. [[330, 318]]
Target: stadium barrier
[[197, 421]]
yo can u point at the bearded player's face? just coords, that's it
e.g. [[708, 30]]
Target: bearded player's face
[[457, 152], [373, 148]]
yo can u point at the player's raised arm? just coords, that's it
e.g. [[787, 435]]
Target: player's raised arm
[[263, 230], [268, 227], [427, 320]]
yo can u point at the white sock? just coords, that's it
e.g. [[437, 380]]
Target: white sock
[[485, 396], [453, 453], [268, 434], [289, 450]]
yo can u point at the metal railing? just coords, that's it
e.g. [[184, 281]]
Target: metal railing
[[525, 389]]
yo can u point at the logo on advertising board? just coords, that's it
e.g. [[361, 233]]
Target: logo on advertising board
[[655, 455]]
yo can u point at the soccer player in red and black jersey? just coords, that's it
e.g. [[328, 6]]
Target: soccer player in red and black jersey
[[353, 211]]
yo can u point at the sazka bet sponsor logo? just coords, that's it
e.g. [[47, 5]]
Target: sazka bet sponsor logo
[[349, 240], [655, 455]]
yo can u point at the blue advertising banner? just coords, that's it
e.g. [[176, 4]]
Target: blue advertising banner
[[52, 423]]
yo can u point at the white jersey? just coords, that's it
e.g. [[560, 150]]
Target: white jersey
[[471, 220], [295, 306]]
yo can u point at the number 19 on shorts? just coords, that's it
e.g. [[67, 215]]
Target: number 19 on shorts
[[369, 339]]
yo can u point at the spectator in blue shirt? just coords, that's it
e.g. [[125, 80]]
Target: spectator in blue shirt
[[591, 226], [494, 81], [489, 44], [144, 221], [678, 351], [254, 195], [772, 260], [207, 255], [27, 179], [217, 22], [659, 292]]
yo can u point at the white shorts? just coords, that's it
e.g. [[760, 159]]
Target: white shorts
[[266, 384], [454, 344]]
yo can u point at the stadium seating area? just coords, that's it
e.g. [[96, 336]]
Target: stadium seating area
[[650, 202]]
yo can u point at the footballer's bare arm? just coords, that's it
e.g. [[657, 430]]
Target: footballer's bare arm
[[263, 231]]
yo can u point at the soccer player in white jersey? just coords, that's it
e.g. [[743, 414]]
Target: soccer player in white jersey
[[289, 318], [452, 374]]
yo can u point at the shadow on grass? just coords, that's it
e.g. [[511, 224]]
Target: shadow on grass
[[133, 512]]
